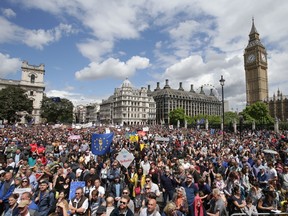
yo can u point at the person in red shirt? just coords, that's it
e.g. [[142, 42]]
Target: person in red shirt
[[33, 146], [41, 149]]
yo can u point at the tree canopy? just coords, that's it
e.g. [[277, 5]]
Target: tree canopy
[[13, 101], [257, 112], [177, 115], [57, 110]]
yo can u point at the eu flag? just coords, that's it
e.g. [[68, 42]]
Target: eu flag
[[100, 144]]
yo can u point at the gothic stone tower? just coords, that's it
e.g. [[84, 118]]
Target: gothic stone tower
[[255, 62]]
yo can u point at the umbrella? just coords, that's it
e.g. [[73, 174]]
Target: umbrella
[[270, 151]]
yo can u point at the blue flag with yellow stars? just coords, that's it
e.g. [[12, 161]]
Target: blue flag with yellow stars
[[100, 143]]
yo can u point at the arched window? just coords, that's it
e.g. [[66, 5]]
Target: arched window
[[32, 80]]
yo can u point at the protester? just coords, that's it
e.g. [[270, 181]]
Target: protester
[[13, 206], [150, 209], [123, 207], [6, 189], [194, 160], [110, 205], [44, 198], [79, 204]]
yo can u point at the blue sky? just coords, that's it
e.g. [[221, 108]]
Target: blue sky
[[89, 47]]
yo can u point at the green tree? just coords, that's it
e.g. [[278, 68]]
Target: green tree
[[257, 112], [57, 110], [177, 115], [13, 101], [214, 119], [230, 117]]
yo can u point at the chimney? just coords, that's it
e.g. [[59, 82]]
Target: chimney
[[191, 89], [149, 89], [202, 91], [167, 84], [158, 87], [211, 92], [180, 87]]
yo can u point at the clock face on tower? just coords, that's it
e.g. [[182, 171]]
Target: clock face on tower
[[263, 57], [251, 58]]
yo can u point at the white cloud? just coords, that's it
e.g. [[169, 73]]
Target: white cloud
[[8, 31], [37, 38], [9, 13], [9, 65], [112, 68], [74, 97], [94, 49], [40, 38]]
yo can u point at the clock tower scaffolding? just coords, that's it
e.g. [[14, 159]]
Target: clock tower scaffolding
[[255, 63]]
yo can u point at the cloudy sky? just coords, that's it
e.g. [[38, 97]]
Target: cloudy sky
[[89, 47]]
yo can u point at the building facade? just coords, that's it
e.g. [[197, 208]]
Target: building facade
[[168, 99], [278, 106], [255, 63], [32, 81], [128, 106], [92, 112]]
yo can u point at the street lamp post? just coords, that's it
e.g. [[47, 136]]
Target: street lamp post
[[222, 81], [241, 126]]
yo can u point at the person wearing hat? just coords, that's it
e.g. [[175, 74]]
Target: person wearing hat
[[44, 198]]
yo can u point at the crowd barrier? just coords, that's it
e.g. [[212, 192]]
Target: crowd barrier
[[260, 214]]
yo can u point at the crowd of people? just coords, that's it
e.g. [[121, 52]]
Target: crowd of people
[[189, 172]]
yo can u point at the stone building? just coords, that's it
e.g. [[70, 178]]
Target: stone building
[[128, 106], [92, 112], [168, 99], [278, 106], [32, 81]]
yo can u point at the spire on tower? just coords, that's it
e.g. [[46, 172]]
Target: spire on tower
[[253, 28]]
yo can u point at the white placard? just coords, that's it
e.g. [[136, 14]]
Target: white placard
[[146, 129], [125, 158]]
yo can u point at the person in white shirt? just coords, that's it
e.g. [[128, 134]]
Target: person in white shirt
[[271, 171], [186, 164], [99, 188], [154, 187], [145, 164]]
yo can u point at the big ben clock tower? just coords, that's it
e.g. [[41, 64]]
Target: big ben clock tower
[[255, 62]]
